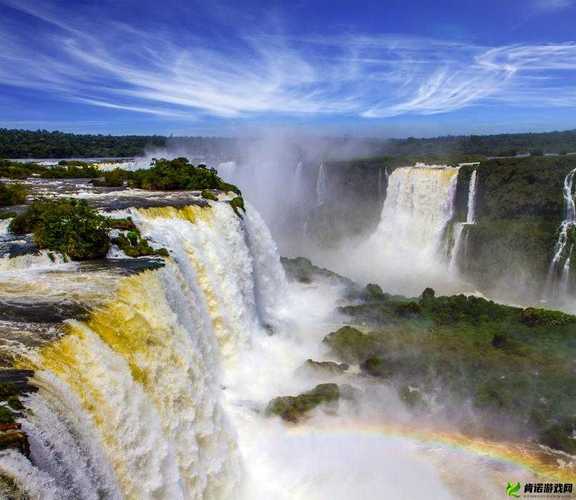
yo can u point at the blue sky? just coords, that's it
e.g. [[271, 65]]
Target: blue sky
[[382, 68]]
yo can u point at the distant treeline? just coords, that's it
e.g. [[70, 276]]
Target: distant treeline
[[486, 145], [45, 144]]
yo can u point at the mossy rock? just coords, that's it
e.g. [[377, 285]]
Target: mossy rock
[[378, 367], [294, 408], [350, 344], [237, 204], [325, 367], [560, 436], [374, 292], [412, 398], [209, 195]]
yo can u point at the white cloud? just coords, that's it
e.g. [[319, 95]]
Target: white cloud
[[551, 5], [121, 67]]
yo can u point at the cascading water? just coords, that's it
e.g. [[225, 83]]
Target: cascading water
[[321, 185], [460, 228], [159, 393], [557, 281], [407, 243], [128, 402], [471, 213]]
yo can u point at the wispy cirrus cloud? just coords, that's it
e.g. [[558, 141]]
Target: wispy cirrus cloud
[[551, 5], [252, 73]]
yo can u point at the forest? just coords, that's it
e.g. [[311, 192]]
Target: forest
[[46, 144]]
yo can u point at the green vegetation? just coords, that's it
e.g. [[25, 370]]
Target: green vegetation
[[294, 408], [112, 178], [67, 226], [237, 204], [74, 229], [64, 170], [134, 245], [179, 174], [325, 367], [514, 365], [44, 144], [209, 195], [12, 194]]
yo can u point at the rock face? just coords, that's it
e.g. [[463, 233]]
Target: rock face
[[294, 408], [350, 344], [13, 384], [324, 367], [519, 207]]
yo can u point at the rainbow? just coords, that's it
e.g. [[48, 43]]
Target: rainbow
[[544, 463]]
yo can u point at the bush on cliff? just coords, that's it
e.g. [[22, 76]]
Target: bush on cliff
[[179, 174], [67, 226]]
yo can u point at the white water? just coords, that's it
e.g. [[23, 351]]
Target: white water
[[557, 281], [472, 188], [321, 185], [407, 249], [460, 231], [158, 396]]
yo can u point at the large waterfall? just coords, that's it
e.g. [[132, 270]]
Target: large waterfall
[[558, 279], [128, 403], [409, 240]]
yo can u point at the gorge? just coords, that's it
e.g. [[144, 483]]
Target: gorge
[[154, 377]]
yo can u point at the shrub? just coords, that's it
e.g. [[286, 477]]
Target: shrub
[[179, 174], [113, 178], [237, 204], [12, 194], [133, 245], [532, 316], [67, 226], [209, 195], [293, 408]]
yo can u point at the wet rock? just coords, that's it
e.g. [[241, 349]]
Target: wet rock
[[324, 367], [350, 344], [18, 247], [378, 367], [294, 408], [42, 312], [301, 269]]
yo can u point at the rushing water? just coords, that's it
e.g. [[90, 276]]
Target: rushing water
[[461, 234], [407, 247], [321, 185], [557, 282], [159, 393]]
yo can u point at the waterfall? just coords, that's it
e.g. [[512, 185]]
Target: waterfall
[[382, 182], [461, 234], [471, 212], [418, 206], [321, 185], [557, 281], [408, 245], [128, 404]]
